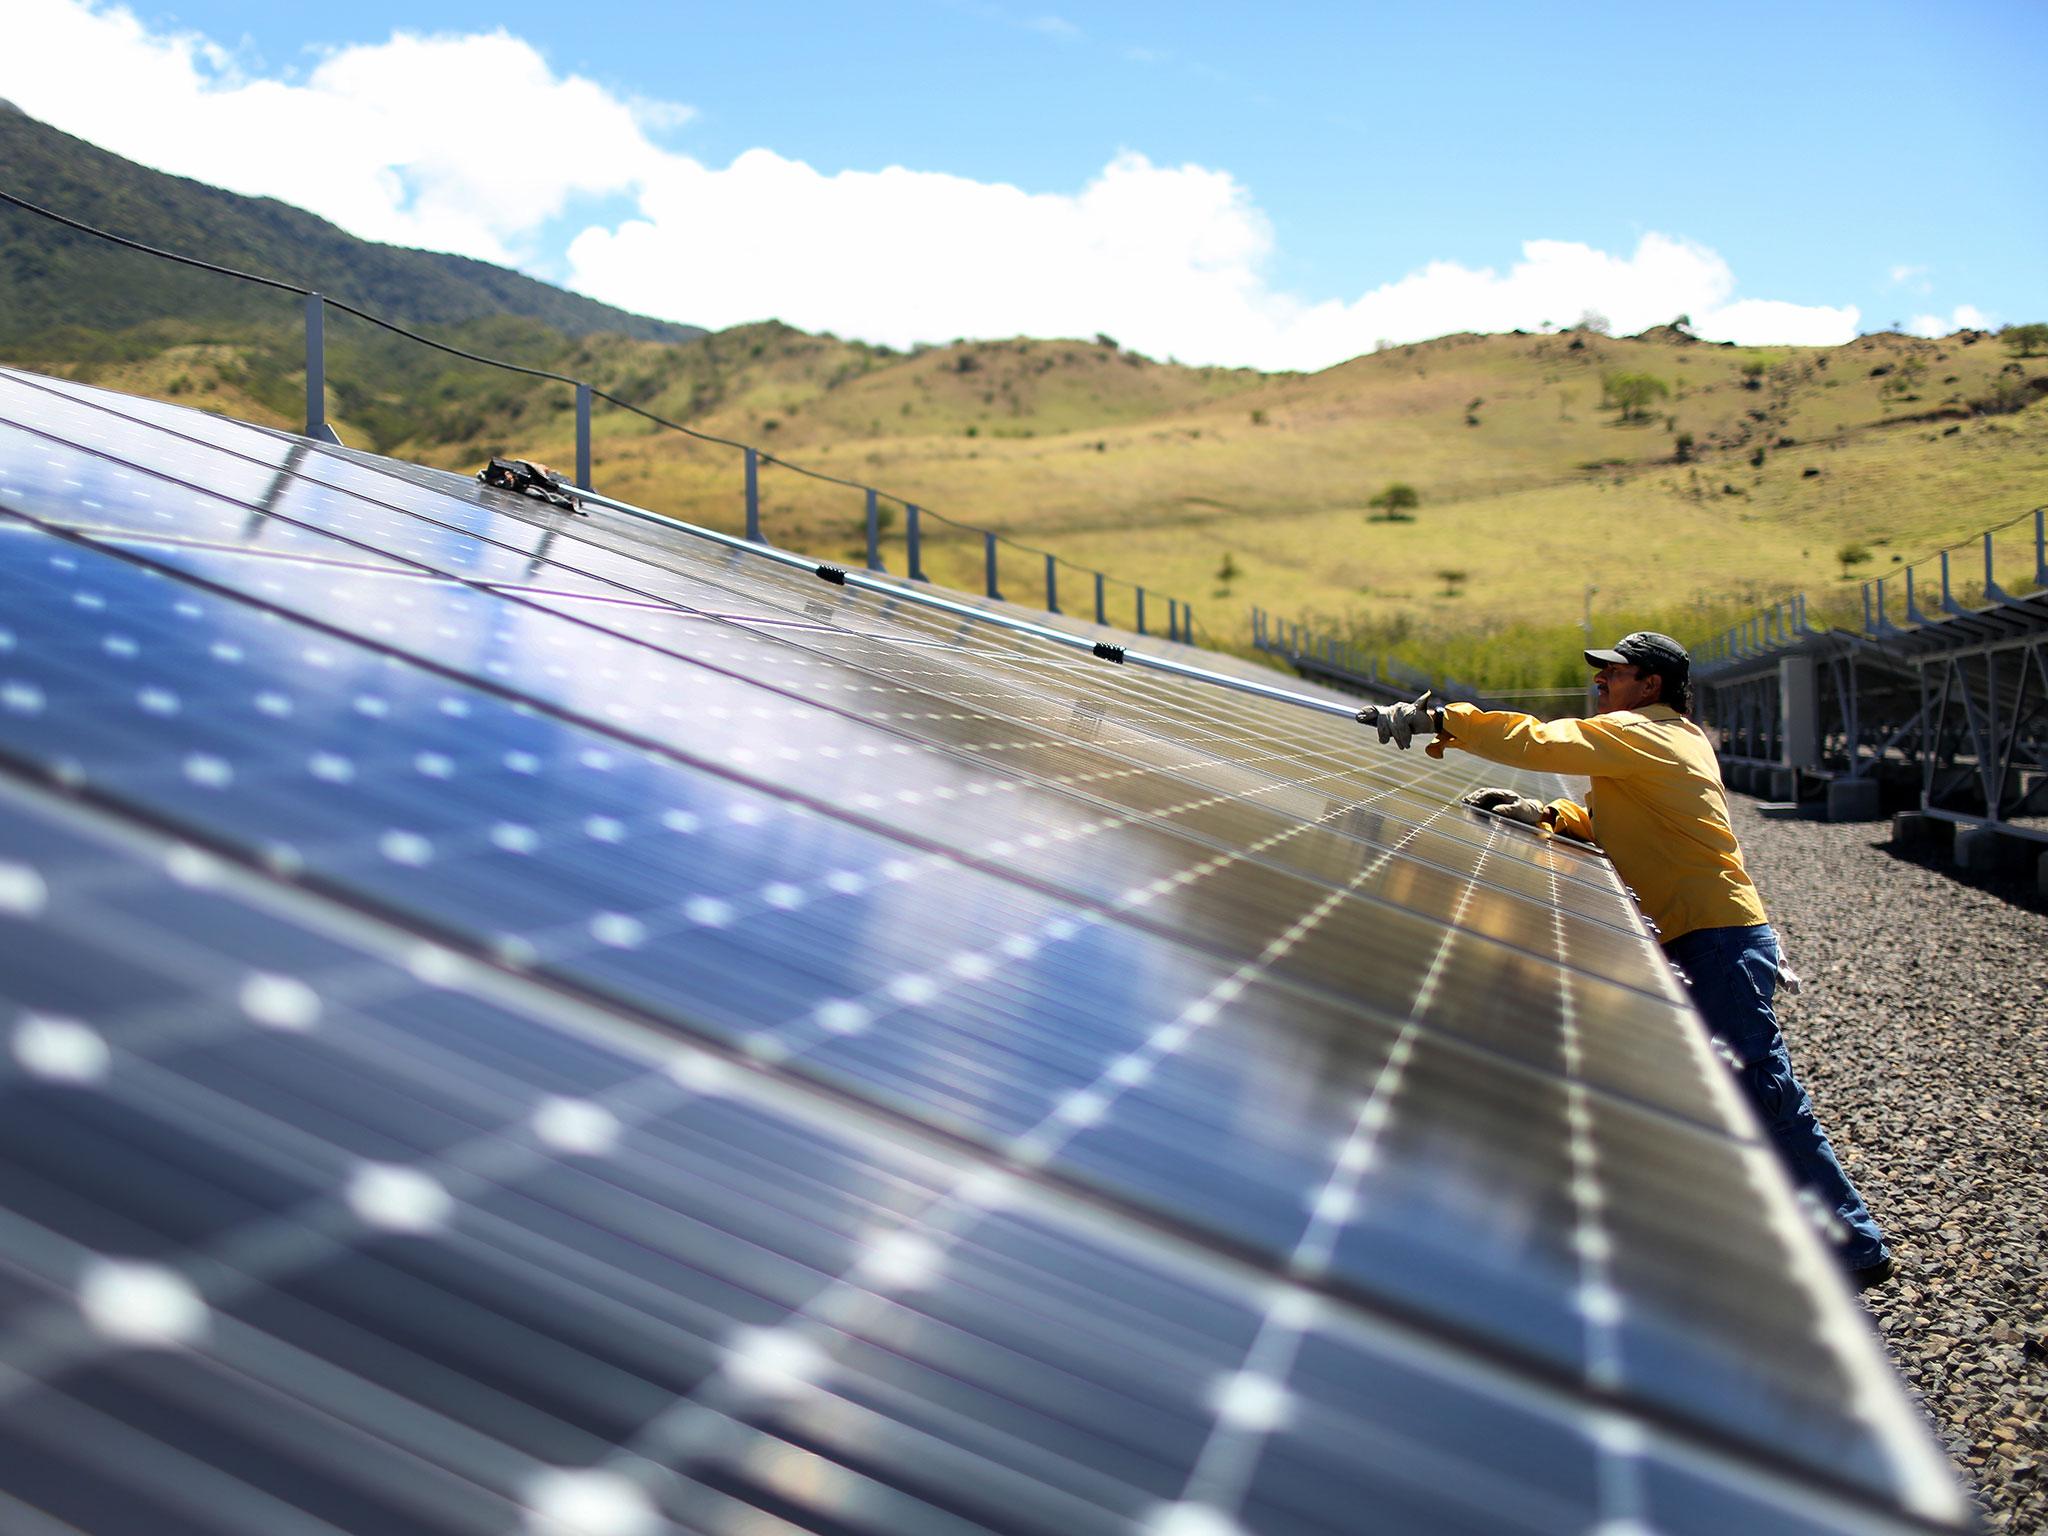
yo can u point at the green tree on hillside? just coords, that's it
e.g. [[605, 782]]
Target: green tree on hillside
[[1396, 504], [1632, 393], [1226, 573], [2026, 340], [1852, 555]]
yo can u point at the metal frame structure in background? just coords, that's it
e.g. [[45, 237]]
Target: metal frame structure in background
[[1180, 615], [1950, 706]]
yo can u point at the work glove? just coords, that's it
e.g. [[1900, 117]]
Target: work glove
[[1505, 802], [1400, 723]]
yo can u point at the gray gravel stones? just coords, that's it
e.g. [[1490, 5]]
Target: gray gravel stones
[[1923, 1036]]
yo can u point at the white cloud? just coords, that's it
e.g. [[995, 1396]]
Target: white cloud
[[1964, 317], [454, 143], [474, 144]]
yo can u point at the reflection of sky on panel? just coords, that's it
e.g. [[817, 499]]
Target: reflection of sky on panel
[[524, 827], [722, 720], [64, 484], [719, 719]]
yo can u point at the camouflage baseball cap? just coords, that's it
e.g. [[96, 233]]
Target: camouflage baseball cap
[[1645, 649]]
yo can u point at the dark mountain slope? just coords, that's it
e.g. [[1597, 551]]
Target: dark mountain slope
[[52, 277]]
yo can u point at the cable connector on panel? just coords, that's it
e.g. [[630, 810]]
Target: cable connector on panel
[[833, 574], [1109, 652]]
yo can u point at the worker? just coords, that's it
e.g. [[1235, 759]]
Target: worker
[[1656, 807]]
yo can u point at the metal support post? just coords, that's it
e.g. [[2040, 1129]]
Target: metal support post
[[1867, 629], [1799, 711], [1141, 610], [874, 532], [1948, 602], [316, 370], [1101, 615], [1173, 618], [1187, 624], [1052, 585], [1913, 613], [988, 560], [583, 437], [2041, 546], [753, 497], [1993, 593], [913, 542]]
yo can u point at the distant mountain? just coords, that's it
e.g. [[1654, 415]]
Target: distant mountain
[[52, 277]]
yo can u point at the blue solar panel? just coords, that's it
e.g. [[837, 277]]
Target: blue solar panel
[[865, 1069]]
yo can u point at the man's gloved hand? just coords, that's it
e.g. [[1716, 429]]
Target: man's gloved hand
[[1505, 802], [1400, 723]]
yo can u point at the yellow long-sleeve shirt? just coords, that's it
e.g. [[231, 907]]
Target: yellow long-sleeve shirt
[[1656, 804]]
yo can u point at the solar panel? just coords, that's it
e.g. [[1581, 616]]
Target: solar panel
[[524, 1017]]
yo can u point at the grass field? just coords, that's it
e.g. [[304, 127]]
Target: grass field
[[1738, 487]]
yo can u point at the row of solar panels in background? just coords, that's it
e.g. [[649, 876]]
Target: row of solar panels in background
[[1194, 976]]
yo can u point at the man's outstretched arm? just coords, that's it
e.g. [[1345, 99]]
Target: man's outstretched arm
[[1597, 748]]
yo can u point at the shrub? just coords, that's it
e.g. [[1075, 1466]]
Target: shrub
[[1632, 393], [1397, 502], [2025, 340]]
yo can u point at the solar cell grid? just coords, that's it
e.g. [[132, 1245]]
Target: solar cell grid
[[345, 599], [1545, 855], [409, 802], [1171, 959]]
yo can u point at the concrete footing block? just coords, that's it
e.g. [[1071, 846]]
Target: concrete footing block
[[2033, 791], [1982, 849], [1856, 800], [2041, 874], [1784, 784], [1909, 828]]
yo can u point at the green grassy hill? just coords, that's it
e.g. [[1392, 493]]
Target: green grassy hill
[[1737, 486]]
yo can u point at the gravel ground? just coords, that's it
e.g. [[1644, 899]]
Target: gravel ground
[[1923, 1036]]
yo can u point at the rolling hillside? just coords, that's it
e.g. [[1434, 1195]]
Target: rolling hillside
[[1741, 483], [51, 277]]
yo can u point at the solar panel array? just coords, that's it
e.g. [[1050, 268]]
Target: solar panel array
[[522, 1021]]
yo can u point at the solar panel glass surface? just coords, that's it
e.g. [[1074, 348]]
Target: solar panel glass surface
[[1202, 978]]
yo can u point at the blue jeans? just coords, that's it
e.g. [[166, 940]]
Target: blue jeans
[[1732, 974]]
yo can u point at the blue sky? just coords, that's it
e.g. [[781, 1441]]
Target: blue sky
[[1280, 185]]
